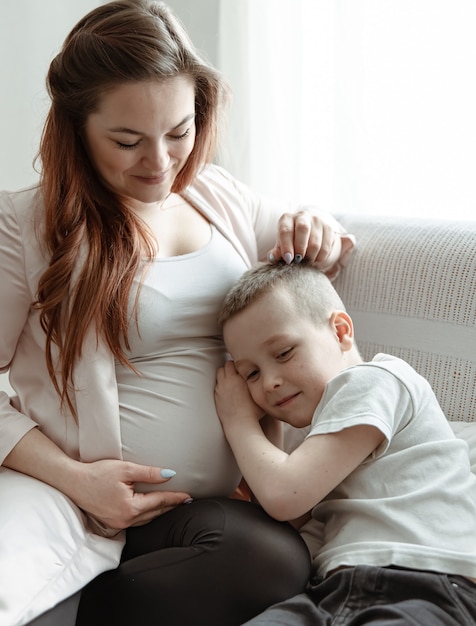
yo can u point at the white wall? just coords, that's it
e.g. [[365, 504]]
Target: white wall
[[200, 18], [31, 33]]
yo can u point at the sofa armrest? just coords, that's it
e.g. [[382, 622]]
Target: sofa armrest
[[411, 290]]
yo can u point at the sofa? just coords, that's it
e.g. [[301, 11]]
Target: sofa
[[410, 287]]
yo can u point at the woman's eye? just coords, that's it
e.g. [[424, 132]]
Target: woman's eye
[[182, 136], [282, 356], [126, 146]]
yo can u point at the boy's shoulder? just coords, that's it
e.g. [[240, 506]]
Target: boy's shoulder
[[385, 371], [382, 366]]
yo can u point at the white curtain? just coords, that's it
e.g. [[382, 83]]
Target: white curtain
[[359, 105]]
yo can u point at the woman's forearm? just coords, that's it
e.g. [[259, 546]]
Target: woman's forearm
[[103, 488], [36, 455]]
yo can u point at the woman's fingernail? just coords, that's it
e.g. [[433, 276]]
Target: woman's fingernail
[[288, 257], [167, 473], [188, 501], [298, 258], [271, 258]]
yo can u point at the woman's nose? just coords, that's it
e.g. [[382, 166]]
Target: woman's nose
[[157, 157]]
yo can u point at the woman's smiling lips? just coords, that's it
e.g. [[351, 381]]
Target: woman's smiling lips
[[152, 180]]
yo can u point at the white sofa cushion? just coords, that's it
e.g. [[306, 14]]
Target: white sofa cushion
[[47, 552]]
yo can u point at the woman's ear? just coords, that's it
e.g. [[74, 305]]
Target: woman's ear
[[341, 322]]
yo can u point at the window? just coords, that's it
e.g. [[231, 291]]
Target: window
[[358, 105]]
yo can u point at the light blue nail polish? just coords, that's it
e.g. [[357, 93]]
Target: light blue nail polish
[[288, 257], [298, 258], [167, 473], [271, 258]]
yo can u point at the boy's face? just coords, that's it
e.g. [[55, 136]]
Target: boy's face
[[285, 358]]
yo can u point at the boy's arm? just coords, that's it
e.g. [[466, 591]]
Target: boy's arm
[[287, 485], [273, 430]]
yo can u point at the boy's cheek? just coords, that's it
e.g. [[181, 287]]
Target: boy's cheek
[[258, 399]]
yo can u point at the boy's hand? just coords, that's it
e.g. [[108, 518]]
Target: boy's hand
[[232, 398]]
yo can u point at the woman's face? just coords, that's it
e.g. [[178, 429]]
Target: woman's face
[[141, 136]]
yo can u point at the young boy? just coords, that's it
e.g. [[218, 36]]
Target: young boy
[[388, 486]]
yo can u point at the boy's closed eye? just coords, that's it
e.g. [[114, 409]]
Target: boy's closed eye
[[247, 372], [285, 354], [253, 375]]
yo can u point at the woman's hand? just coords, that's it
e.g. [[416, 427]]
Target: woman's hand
[[105, 490], [304, 235], [232, 399]]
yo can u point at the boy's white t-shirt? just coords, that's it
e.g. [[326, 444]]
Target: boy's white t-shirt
[[413, 504]]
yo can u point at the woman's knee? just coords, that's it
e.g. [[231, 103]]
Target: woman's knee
[[259, 548], [234, 536], [227, 557]]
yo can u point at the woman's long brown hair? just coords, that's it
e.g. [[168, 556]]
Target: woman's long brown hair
[[95, 242]]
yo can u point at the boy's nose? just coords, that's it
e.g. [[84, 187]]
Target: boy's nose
[[272, 381]]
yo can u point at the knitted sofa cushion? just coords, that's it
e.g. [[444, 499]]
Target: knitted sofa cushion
[[410, 288]]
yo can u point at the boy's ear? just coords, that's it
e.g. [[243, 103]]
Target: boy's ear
[[343, 327]]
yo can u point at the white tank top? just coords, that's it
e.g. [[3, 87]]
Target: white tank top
[[168, 415]]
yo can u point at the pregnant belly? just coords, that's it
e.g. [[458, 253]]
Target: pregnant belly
[[171, 422]]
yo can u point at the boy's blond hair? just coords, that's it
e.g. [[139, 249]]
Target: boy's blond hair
[[312, 291]]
